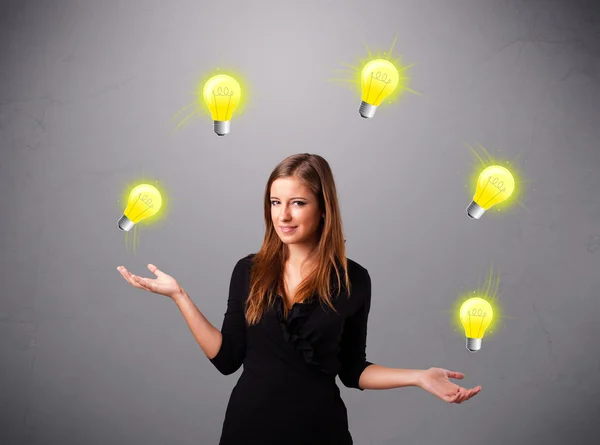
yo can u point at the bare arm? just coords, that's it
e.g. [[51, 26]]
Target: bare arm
[[208, 337], [226, 348], [433, 380], [380, 377]]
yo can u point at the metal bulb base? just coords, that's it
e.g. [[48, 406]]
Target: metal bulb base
[[473, 344], [367, 110], [125, 224], [222, 127], [475, 210]]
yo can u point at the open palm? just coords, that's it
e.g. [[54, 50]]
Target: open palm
[[163, 284], [436, 381]]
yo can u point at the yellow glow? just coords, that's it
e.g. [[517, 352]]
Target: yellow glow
[[159, 219], [476, 314], [495, 184], [221, 94], [144, 201], [199, 105], [485, 297], [355, 81], [483, 159], [379, 78]]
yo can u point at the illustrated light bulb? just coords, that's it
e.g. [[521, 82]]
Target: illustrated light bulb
[[143, 202], [379, 78], [476, 315], [221, 94], [495, 184]]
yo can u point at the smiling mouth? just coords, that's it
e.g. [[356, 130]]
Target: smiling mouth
[[287, 229]]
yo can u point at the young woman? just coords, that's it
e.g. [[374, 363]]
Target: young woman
[[296, 317]]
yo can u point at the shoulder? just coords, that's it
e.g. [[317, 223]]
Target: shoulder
[[244, 263], [243, 266], [360, 284], [247, 259], [240, 276], [356, 272]]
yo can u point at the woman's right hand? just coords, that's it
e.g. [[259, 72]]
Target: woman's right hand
[[163, 284]]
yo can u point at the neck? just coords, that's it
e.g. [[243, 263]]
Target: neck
[[297, 255]]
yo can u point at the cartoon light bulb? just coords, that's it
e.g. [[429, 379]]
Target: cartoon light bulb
[[495, 184], [379, 78], [221, 94], [476, 315], [144, 201]]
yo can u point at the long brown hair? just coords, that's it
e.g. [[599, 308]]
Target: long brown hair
[[266, 277]]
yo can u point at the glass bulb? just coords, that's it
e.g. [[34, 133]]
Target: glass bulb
[[379, 78], [476, 314], [494, 185], [221, 94], [144, 201]]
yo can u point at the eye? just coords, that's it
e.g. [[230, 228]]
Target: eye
[[301, 203]]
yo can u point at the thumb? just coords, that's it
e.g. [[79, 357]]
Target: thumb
[[155, 270], [455, 375]]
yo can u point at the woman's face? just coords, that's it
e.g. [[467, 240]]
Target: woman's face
[[294, 205]]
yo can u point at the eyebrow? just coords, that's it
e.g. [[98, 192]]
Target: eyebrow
[[297, 197]]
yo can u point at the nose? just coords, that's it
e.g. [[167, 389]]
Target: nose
[[284, 214]]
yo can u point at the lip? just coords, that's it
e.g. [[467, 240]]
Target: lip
[[287, 229]]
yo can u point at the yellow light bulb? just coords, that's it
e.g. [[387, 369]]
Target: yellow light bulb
[[495, 184], [379, 78], [221, 94], [144, 201], [476, 315]]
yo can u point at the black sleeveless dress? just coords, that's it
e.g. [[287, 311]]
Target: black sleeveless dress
[[287, 393]]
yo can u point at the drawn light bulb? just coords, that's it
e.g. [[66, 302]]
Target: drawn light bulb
[[476, 315], [379, 79], [221, 94], [144, 201], [494, 185]]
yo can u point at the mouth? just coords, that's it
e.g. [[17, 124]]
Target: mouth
[[287, 229]]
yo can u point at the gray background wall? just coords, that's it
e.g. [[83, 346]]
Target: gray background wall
[[87, 91]]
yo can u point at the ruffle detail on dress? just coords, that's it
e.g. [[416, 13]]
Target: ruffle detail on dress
[[297, 316], [291, 327]]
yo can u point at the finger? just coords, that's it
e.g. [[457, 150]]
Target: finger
[[451, 398], [462, 396], [155, 270], [128, 276], [136, 281], [455, 375], [467, 396], [471, 392], [123, 271], [462, 393], [145, 283]]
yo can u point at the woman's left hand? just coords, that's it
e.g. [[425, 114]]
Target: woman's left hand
[[436, 381]]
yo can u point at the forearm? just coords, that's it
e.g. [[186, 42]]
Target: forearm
[[380, 377], [208, 337]]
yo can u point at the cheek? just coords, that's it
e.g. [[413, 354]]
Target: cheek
[[307, 221]]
